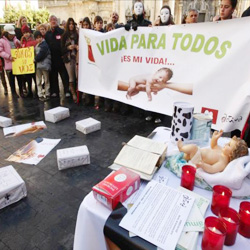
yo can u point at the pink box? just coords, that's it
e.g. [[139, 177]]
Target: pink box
[[116, 187]]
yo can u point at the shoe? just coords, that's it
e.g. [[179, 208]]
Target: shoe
[[157, 120], [54, 95], [15, 95], [30, 95], [149, 118], [67, 94]]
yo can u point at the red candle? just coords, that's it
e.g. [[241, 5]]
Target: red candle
[[214, 234], [231, 218], [244, 228], [188, 177], [221, 198]]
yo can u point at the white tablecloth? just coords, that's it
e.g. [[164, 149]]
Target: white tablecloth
[[92, 215]]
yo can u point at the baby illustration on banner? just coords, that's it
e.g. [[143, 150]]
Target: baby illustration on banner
[[153, 83]]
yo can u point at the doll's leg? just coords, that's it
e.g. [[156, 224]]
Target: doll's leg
[[189, 150]]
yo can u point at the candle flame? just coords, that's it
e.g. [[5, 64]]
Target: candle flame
[[247, 212], [214, 229], [223, 193], [187, 172], [229, 219]]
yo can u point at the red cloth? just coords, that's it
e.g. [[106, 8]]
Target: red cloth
[[28, 43], [25, 29]]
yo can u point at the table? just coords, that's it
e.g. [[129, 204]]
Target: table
[[92, 215]]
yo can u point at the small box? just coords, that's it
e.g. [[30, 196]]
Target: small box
[[88, 125], [5, 122], [116, 187], [12, 186], [72, 157], [56, 114]]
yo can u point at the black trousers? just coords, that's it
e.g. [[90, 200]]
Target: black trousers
[[53, 77], [11, 79]]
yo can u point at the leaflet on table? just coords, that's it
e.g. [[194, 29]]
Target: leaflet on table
[[159, 215], [24, 129], [34, 151], [188, 240], [195, 221], [131, 200]]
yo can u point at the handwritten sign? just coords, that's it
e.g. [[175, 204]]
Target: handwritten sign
[[24, 61]]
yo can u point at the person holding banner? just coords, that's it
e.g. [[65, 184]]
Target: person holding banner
[[165, 17], [8, 42], [227, 8], [191, 17], [138, 19]]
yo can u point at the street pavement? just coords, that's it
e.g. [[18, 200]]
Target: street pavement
[[46, 218]]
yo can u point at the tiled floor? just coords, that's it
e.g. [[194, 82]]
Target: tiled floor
[[46, 218]]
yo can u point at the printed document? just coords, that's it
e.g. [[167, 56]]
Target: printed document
[[159, 215]]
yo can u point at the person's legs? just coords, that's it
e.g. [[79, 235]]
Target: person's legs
[[70, 67], [20, 84], [46, 83], [29, 81], [39, 82], [65, 79], [4, 82], [53, 78], [189, 150], [11, 79]]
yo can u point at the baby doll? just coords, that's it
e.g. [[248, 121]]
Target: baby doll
[[215, 159]]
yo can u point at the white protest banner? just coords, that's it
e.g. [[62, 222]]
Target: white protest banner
[[209, 63]]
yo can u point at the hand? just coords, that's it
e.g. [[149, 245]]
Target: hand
[[217, 134], [155, 87], [71, 47], [134, 26], [200, 164], [127, 27]]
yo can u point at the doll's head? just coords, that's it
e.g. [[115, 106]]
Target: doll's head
[[238, 148]]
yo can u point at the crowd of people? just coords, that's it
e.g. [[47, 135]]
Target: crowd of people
[[56, 53]]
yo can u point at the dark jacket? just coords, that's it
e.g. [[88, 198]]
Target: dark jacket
[[67, 40], [43, 57], [139, 21], [53, 39]]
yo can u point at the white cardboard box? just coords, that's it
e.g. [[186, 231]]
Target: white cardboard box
[[72, 157], [12, 186], [5, 121], [88, 125], [56, 114]]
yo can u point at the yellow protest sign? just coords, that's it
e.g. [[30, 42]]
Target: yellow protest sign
[[24, 61]]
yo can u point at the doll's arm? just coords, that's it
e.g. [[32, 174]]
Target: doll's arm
[[214, 139], [212, 169]]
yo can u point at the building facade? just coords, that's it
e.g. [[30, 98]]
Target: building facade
[[81, 8]]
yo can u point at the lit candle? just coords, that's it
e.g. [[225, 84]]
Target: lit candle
[[214, 234], [244, 228], [231, 218], [188, 177], [221, 198]]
